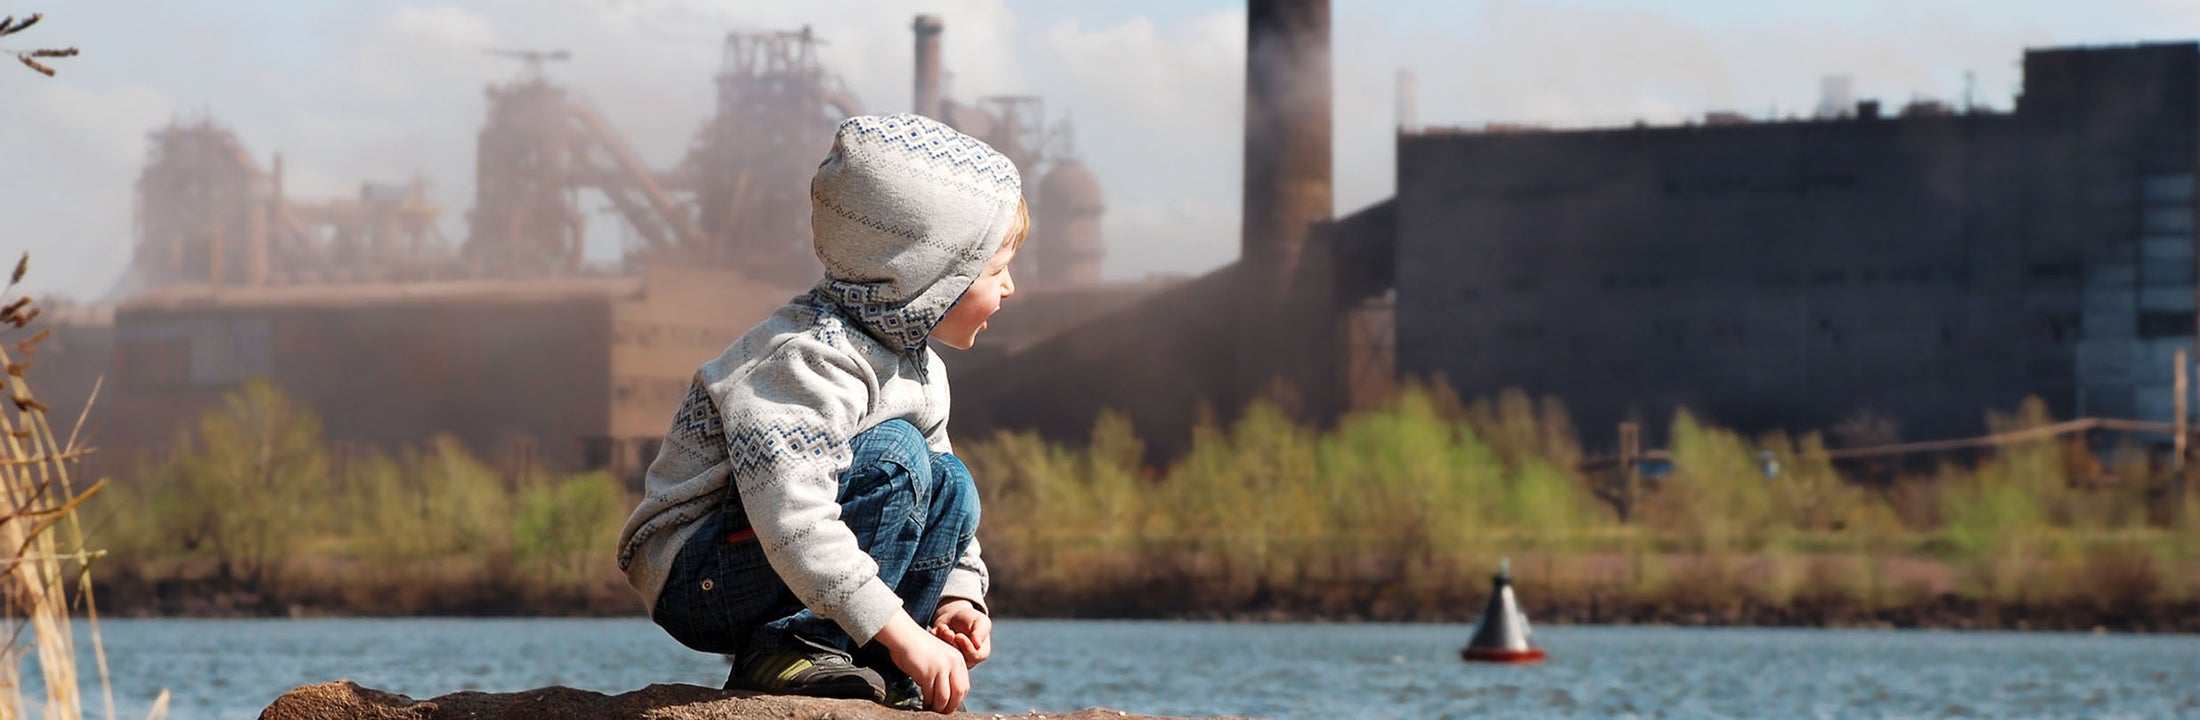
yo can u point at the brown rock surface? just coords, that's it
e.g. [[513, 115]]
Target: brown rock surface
[[346, 699]]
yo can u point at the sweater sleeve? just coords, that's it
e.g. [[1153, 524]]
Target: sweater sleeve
[[788, 423], [968, 579]]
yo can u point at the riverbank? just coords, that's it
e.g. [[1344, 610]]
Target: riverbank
[[346, 699], [1396, 513], [205, 598]]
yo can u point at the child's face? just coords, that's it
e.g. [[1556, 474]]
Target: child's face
[[960, 328]]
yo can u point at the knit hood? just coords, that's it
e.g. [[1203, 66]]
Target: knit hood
[[906, 211]]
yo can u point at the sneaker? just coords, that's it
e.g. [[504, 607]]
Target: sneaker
[[902, 693], [815, 674]]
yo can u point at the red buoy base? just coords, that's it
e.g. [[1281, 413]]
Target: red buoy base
[[1500, 655]]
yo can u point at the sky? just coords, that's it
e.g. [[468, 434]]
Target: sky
[[353, 91]]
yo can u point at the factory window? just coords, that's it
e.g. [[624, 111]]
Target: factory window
[[154, 363], [2112, 192], [2165, 324], [2165, 189], [2166, 220], [2172, 273]]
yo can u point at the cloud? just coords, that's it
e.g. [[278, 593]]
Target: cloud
[[353, 92], [1159, 119], [417, 45], [74, 153]]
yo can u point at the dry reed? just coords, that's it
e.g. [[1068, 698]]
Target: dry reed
[[39, 530], [9, 26]]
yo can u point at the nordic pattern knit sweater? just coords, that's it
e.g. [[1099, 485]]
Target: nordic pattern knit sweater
[[905, 213]]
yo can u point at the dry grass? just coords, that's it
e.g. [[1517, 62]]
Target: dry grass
[[10, 26], [48, 565]]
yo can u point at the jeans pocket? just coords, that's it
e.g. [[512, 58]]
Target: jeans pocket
[[716, 589], [747, 586]]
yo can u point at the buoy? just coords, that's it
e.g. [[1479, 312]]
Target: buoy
[[1502, 634]]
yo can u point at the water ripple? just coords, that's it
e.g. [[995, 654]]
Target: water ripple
[[232, 668]]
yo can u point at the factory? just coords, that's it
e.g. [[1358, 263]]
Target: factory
[[1921, 263], [361, 309]]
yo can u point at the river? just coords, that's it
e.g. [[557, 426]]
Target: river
[[233, 668]]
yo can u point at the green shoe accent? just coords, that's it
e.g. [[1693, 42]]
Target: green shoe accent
[[902, 694], [778, 670], [821, 674]]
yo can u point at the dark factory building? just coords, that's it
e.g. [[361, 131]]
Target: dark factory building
[[1920, 264]]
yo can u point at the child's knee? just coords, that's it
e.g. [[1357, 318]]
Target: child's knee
[[954, 487], [896, 442]]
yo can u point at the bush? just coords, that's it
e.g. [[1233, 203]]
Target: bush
[[246, 487], [566, 526]]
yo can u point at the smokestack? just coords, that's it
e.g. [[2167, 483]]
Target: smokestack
[[928, 29], [1286, 132], [1409, 102]]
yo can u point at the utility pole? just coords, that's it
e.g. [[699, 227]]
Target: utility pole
[[2182, 443], [1630, 462]]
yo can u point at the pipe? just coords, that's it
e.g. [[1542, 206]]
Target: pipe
[[928, 29]]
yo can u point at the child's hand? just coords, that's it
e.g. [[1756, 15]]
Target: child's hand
[[960, 624], [939, 672]]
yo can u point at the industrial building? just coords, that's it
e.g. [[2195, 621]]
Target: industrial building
[[363, 310], [1919, 263], [1923, 264]]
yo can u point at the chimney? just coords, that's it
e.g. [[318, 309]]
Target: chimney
[[1287, 180], [1409, 102], [928, 29]]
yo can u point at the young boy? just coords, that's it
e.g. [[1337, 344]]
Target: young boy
[[805, 515]]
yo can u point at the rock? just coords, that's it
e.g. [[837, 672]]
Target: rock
[[346, 699]]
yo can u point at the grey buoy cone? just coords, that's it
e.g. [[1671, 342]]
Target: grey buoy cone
[[1502, 634]]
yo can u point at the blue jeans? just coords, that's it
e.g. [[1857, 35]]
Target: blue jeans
[[912, 510]]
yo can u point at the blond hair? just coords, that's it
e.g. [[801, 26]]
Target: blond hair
[[1021, 230]]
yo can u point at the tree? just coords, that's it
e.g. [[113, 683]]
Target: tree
[[239, 491]]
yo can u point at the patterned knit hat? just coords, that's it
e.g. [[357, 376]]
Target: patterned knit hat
[[906, 211]]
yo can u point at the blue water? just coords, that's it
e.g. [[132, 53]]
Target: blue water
[[233, 668]]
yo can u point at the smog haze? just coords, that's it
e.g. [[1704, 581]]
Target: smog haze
[[390, 92]]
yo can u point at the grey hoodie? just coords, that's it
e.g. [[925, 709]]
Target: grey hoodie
[[905, 212]]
